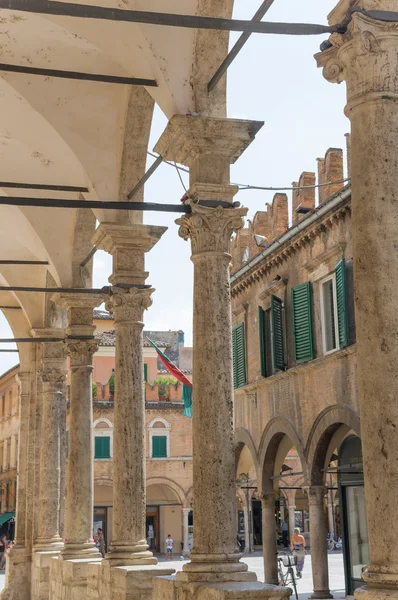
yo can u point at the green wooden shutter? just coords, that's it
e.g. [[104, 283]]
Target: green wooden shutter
[[261, 329], [159, 446], [278, 333], [239, 355], [145, 373], [302, 322], [102, 447], [341, 297]]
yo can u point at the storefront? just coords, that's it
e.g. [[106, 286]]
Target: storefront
[[353, 512]]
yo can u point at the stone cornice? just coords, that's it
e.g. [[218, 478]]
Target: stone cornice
[[336, 251], [283, 252]]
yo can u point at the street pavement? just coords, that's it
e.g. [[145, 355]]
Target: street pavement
[[255, 563]]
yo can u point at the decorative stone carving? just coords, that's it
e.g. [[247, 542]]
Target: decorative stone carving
[[81, 353], [365, 57], [53, 377], [210, 229], [129, 305]]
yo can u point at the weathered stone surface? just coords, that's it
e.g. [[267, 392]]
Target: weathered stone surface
[[166, 588]]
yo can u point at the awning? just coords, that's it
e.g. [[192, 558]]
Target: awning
[[6, 517]]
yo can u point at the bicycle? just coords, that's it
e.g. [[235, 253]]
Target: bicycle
[[288, 561]]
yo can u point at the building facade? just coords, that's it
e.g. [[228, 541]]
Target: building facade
[[294, 341]]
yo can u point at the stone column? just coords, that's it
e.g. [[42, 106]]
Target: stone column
[[366, 57], [269, 538], [208, 146], [246, 517], [52, 375], [23, 380], [130, 298], [318, 543], [80, 466], [292, 521], [331, 519], [185, 515]]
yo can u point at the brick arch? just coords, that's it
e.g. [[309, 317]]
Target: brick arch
[[275, 433], [332, 423], [177, 489], [243, 438]]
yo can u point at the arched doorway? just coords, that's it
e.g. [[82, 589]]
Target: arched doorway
[[164, 516], [249, 528]]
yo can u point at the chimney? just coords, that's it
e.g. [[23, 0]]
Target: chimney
[[330, 170], [303, 200], [240, 248], [279, 216]]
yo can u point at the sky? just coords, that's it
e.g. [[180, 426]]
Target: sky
[[274, 79]]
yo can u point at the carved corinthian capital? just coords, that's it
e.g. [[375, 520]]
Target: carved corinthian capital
[[128, 305], [81, 352], [52, 376], [210, 229], [366, 57]]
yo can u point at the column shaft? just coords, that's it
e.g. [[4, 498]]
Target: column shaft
[[292, 520], [52, 375], [269, 539], [185, 529], [319, 553], [22, 459], [80, 468]]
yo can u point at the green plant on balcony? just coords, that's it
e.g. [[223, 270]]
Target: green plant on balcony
[[94, 387], [111, 382], [163, 383]]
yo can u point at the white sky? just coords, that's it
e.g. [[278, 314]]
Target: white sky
[[274, 79]]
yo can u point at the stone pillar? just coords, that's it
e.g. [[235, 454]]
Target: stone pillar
[[269, 538], [80, 466], [318, 543], [246, 516], [185, 536], [331, 519], [292, 521], [366, 57], [208, 146], [23, 380], [128, 244], [52, 375]]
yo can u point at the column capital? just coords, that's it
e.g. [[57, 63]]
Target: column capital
[[127, 244], [80, 311], [316, 494], [81, 353], [128, 305], [23, 380], [186, 511], [186, 138], [210, 229], [269, 497], [365, 57]]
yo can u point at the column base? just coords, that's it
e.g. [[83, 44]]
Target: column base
[[41, 561], [215, 568], [320, 595], [18, 574], [86, 551], [129, 555], [48, 545], [106, 582], [171, 588]]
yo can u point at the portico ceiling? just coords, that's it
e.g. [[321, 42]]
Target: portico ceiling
[[84, 133]]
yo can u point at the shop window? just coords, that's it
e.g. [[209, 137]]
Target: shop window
[[159, 446], [102, 447]]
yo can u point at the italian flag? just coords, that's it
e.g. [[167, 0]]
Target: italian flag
[[179, 375]]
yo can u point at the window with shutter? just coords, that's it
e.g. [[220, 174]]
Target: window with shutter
[[145, 373], [102, 447], [239, 355], [159, 446], [341, 301], [263, 350], [302, 322], [278, 334]]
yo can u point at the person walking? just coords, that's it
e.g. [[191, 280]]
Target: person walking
[[285, 534], [297, 544], [101, 541], [169, 548]]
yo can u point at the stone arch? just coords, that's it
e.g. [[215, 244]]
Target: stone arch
[[242, 439], [279, 436], [329, 429], [159, 420], [103, 420], [177, 489]]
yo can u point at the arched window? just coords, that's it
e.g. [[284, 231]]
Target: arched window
[[159, 438], [103, 439]]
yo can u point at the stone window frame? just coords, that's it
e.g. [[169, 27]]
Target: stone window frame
[[103, 432], [279, 289], [161, 431], [321, 282]]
